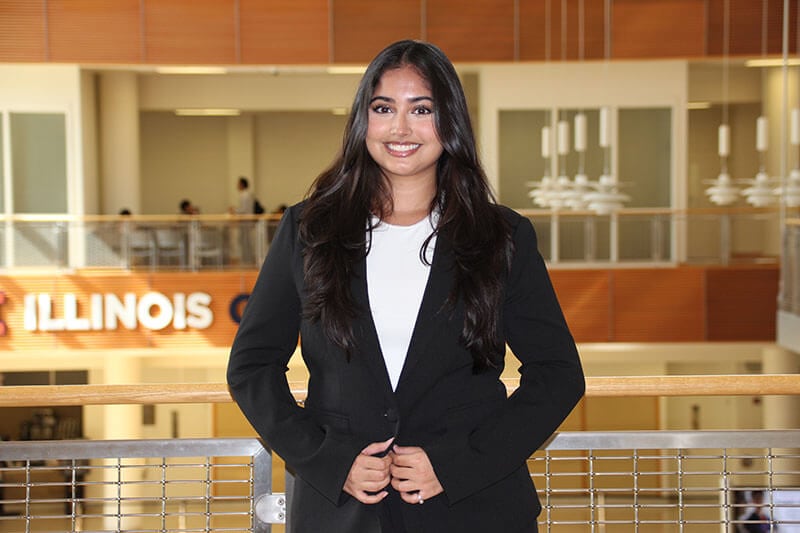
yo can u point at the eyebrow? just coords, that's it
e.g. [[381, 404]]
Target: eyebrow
[[413, 100]]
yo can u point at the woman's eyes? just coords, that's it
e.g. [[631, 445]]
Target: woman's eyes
[[418, 110]]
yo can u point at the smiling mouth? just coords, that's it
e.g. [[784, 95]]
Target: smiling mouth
[[402, 149]]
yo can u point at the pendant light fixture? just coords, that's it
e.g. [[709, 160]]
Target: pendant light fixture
[[606, 197], [562, 186], [722, 190], [790, 190], [553, 193], [760, 191], [576, 197], [541, 191]]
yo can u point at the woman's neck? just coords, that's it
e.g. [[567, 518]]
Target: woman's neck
[[411, 202]]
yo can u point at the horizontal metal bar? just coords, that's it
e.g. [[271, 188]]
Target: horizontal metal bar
[[107, 449], [626, 440]]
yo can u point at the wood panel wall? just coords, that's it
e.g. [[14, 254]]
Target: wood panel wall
[[690, 304], [352, 31], [684, 304]]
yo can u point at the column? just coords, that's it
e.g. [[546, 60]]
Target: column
[[241, 162], [122, 422], [241, 149], [782, 412], [119, 142]]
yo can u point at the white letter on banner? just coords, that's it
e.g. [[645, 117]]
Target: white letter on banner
[[97, 311], [116, 310], [72, 322], [179, 310], [46, 320], [146, 318], [29, 321], [200, 316]]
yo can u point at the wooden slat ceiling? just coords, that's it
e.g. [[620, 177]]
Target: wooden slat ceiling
[[352, 31]]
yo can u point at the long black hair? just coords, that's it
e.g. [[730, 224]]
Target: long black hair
[[334, 221]]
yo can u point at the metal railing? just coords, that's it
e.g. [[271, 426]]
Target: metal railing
[[789, 298], [587, 481], [656, 236], [633, 236], [639, 481], [138, 485], [147, 242], [668, 481]]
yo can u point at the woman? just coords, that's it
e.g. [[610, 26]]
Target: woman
[[405, 282]]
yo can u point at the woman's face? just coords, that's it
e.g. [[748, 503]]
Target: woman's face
[[401, 133]]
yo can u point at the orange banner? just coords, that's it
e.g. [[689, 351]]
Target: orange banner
[[122, 310]]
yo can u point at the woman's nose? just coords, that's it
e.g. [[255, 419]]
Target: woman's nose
[[400, 125]]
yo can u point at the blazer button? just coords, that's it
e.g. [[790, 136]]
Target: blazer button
[[390, 415]]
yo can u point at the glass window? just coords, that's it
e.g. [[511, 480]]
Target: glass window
[[39, 162], [521, 158], [645, 156]]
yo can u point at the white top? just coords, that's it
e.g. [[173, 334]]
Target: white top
[[396, 279], [246, 202]]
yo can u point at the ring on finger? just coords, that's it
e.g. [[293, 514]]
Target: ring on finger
[[419, 498]]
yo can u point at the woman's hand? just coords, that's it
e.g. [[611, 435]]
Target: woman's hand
[[412, 474], [369, 475]]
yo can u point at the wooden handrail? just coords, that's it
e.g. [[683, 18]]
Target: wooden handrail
[[606, 386]]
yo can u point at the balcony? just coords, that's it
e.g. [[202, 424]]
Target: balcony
[[643, 481], [567, 239]]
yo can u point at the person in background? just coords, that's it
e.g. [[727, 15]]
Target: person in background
[[246, 207], [758, 521], [246, 198], [405, 282], [186, 208]]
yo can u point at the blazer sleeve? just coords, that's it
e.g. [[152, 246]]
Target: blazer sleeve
[[265, 341], [551, 381]]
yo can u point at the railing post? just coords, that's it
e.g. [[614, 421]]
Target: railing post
[[554, 237], [268, 508], [194, 239], [725, 238], [613, 238], [657, 238], [590, 238]]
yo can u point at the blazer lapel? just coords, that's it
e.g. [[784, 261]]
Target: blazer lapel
[[364, 328], [432, 310]]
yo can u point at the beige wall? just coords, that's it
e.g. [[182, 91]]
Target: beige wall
[[183, 157], [291, 149], [200, 158], [288, 90]]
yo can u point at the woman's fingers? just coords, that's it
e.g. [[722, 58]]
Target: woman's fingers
[[377, 448], [413, 475], [369, 474]]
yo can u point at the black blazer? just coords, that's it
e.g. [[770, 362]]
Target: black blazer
[[476, 437]]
